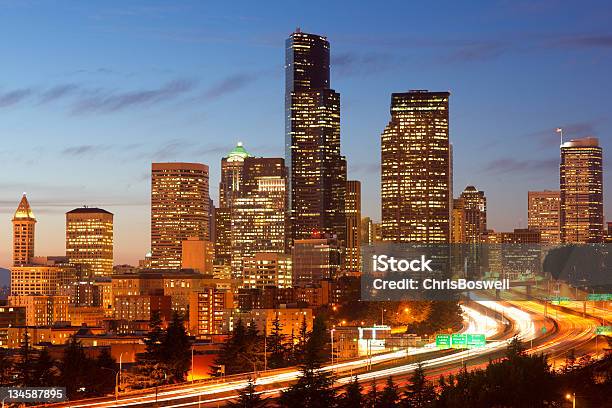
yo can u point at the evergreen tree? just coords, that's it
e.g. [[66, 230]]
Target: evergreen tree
[[420, 393], [248, 397], [314, 388], [6, 368], [106, 367], [352, 397], [44, 374], [373, 397], [25, 365], [236, 352], [74, 367], [276, 346], [176, 349], [154, 338], [300, 344], [389, 397]]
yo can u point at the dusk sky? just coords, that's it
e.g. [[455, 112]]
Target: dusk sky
[[92, 92]]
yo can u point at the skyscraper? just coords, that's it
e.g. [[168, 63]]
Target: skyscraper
[[179, 210], [543, 214], [89, 240], [352, 256], [23, 233], [317, 170], [232, 167], [581, 180], [469, 218], [258, 215], [415, 167]]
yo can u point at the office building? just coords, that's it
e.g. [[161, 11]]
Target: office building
[[352, 255], [23, 233], [179, 210], [317, 170], [544, 214], [469, 217], [89, 240], [314, 260], [581, 182], [415, 163], [265, 269]]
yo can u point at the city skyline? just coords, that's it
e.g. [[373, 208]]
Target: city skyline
[[124, 192]]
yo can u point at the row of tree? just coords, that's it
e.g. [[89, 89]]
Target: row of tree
[[518, 380], [81, 375], [167, 356], [248, 350]]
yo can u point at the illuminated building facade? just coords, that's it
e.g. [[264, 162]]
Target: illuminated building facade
[[198, 255], [317, 169], [89, 240], [581, 181], [265, 269], [544, 214], [469, 217], [229, 188], [42, 310], [315, 259], [415, 163], [207, 307], [23, 233], [352, 255], [259, 216], [179, 210]]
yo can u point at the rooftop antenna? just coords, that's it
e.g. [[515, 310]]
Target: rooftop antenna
[[560, 131]]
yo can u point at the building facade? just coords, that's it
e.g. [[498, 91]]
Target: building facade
[[314, 260], [544, 214], [415, 165], [23, 233], [581, 182], [179, 209], [317, 170], [89, 240], [352, 254]]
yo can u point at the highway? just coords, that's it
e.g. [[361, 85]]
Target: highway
[[562, 332]]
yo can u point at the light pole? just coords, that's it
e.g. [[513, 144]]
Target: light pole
[[332, 347], [192, 363], [120, 367], [572, 397]]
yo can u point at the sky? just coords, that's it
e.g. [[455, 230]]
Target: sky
[[92, 92]]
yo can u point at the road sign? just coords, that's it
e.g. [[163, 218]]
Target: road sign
[[543, 329], [476, 340], [603, 330], [459, 340], [443, 341], [599, 296], [558, 300]]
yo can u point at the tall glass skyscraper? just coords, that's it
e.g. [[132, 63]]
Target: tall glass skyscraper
[[316, 167], [415, 167], [581, 182]]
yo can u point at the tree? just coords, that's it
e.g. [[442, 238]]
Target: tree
[[75, 369], [315, 352], [373, 397], [6, 368], [352, 397], [248, 397], [420, 393], [44, 374], [389, 397], [276, 346], [237, 352], [25, 365], [314, 388], [300, 345], [106, 367], [176, 349], [154, 338]]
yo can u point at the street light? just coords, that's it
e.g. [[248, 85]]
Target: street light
[[571, 397], [116, 383]]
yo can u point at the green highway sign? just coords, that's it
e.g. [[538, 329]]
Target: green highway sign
[[476, 340], [603, 330], [459, 340], [557, 300], [599, 296], [443, 340]]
